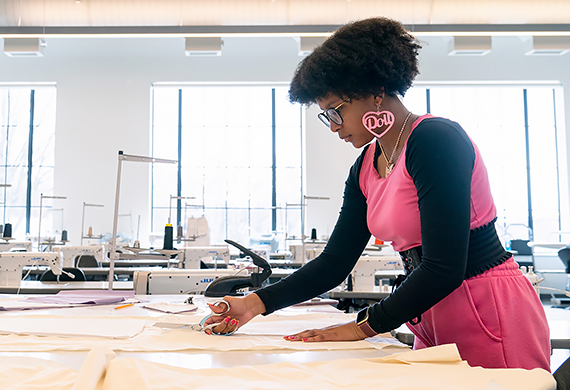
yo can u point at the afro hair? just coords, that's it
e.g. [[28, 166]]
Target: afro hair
[[360, 59]]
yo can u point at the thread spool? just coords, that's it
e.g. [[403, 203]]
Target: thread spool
[[90, 231], [313, 234], [180, 231], [64, 236], [168, 232], [7, 231]]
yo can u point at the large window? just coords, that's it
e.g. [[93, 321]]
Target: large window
[[27, 133], [240, 161], [515, 128]]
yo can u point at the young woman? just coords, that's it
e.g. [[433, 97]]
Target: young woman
[[420, 183]]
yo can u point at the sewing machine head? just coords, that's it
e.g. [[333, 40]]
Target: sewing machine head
[[72, 254], [194, 254], [12, 263]]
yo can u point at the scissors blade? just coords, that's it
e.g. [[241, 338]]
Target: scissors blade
[[171, 325]]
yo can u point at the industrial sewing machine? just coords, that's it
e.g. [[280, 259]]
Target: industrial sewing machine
[[12, 263], [73, 254], [15, 246], [312, 250], [211, 282], [177, 281], [370, 267], [194, 254]]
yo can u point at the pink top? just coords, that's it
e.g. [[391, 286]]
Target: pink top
[[393, 213]]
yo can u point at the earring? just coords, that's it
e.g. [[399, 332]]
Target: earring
[[377, 119]]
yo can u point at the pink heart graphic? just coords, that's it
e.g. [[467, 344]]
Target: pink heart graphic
[[374, 119]]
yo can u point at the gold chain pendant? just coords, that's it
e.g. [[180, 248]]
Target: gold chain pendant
[[389, 168]]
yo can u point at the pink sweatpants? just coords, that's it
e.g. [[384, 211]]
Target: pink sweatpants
[[495, 319]]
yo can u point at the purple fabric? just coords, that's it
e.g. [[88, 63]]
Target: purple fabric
[[88, 297]]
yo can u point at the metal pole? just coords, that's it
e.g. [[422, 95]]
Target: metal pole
[[82, 223], [528, 176], [40, 223], [113, 254]]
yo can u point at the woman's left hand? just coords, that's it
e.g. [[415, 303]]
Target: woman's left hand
[[341, 332]]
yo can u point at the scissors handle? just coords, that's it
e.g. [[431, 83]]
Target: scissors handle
[[204, 328]]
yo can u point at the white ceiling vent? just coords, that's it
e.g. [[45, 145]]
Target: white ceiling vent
[[470, 46], [548, 46], [308, 44], [204, 47], [23, 47]]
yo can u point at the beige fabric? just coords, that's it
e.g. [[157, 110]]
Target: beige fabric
[[25, 373], [155, 339], [115, 328], [262, 334], [438, 368]]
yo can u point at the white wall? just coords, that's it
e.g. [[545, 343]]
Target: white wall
[[103, 89]]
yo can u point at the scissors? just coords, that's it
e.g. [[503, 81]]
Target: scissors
[[199, 327]]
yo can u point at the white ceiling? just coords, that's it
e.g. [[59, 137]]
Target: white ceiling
[[98, 13]]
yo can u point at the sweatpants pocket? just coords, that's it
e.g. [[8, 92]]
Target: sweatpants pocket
[[481, 297]]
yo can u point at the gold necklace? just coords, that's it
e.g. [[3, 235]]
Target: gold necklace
[[390, 163]]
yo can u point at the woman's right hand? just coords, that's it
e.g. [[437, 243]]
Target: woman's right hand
[[242, 310]]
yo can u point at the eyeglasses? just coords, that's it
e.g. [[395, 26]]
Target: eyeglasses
[[332, 115]]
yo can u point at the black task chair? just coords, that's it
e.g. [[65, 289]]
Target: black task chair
[[49, 276], [86, 261], [562, 376], [564, 255]]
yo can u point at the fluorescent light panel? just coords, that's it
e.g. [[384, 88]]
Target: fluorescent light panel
[[308, 44], [23, 47], [548, 46], [470, 46], [202, 47]]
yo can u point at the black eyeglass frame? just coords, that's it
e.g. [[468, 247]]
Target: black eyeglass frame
[[327, 118]]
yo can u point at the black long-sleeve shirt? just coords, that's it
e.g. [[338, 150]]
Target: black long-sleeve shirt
[[440, 159]]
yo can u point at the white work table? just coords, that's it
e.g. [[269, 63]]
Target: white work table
[[191, 358], [258, 349]]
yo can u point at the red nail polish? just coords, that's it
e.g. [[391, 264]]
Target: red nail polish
[[305, 339], [227, 319], [233, 322], [292, 337]]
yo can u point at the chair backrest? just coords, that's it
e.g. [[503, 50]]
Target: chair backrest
[[48, 276], [562, 376], [86, 261], [564, 255]]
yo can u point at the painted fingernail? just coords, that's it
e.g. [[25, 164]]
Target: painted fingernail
[[292, 337], [233, 322], [305, 339], [227, 319]]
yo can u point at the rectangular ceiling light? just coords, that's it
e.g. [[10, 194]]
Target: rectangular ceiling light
[[549, 46], [204, 46], [23, 47], [308, 44], [469, 46]]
